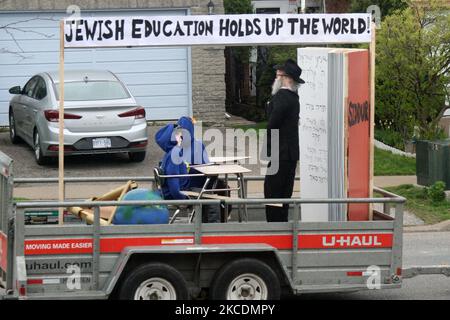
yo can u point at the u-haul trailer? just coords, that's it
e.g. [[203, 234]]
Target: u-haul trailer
[[184, 260]]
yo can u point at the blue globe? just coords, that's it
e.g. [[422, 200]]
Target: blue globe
[[142, 214]]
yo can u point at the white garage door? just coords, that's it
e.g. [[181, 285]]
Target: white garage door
[[159, 78]]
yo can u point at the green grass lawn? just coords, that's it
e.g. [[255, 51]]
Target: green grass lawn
[[418, 203], [388, 164], [20, 199]]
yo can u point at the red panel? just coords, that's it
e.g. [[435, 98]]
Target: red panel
[[281, 242], [3, 251], [358, 133], [115, 245], [277, 241]]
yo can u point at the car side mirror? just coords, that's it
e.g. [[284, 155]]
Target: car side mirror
[[15, 90]]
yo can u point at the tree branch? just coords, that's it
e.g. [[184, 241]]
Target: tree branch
[[10, 27], [21, 56]]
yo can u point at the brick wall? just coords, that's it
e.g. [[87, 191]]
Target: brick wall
[[208, 63], [338, 6]]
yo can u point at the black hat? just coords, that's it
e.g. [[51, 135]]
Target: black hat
[[291, 69]]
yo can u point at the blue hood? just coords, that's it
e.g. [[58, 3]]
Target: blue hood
[[164, 138], [186, 123], [193, 152]]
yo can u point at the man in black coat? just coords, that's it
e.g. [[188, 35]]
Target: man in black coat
[[283, 115]]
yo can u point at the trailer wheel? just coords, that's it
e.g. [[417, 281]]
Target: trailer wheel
[[245, 279], [154, 281]]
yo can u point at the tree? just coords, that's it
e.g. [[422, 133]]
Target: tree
[[386, 6], [239, 7], [236, 57], [412, 70]]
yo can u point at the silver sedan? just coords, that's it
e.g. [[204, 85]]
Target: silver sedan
[[100, 115]]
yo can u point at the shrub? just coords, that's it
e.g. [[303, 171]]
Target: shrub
[[391, 138], [436, 193]]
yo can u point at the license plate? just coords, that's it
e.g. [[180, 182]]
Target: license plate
[[101, 143]]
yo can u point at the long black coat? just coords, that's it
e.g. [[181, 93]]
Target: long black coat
[[283, 114]]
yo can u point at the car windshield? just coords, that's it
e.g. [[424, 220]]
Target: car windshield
[[93, 90]]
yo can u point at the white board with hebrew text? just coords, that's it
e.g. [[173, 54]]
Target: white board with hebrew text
[[313, 131]]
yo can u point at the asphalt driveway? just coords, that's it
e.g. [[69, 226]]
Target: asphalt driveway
[[109, 165]]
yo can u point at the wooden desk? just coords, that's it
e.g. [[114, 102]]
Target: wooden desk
[[227, 159], [214, 170], [217, 169]]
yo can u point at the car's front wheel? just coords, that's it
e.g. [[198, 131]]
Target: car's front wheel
[[137, 156], [40, 158], [12, 129]]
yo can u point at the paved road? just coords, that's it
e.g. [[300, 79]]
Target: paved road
[[424, 249], [75, 166]]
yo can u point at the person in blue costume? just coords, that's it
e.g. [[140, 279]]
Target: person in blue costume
[[170, 139], [172, 162], [194, 151]]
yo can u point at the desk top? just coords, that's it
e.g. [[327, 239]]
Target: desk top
[[227, 159], [217, 169]]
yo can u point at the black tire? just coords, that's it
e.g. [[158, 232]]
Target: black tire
[[40, 158], [156, 274], [252, 279], [137, 156], [15, 139]]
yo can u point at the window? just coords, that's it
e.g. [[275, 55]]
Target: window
[[268, 10], [29, 87], [312, 9], [93, 90], [40, 90]]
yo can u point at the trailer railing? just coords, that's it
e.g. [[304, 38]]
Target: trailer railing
[[6, 189], [151, 179], [20, 208], [6, 211]]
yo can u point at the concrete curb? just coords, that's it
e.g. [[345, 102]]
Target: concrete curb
[[438, 227]]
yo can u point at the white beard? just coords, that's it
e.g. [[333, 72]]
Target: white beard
[[276, 86]]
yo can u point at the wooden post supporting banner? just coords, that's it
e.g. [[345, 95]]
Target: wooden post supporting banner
[[372, 114], [61, 187]]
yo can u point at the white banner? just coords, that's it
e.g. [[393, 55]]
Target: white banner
[[247, 29]]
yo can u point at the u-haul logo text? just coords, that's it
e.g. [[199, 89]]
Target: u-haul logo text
[[351, 241], [345, 240]]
